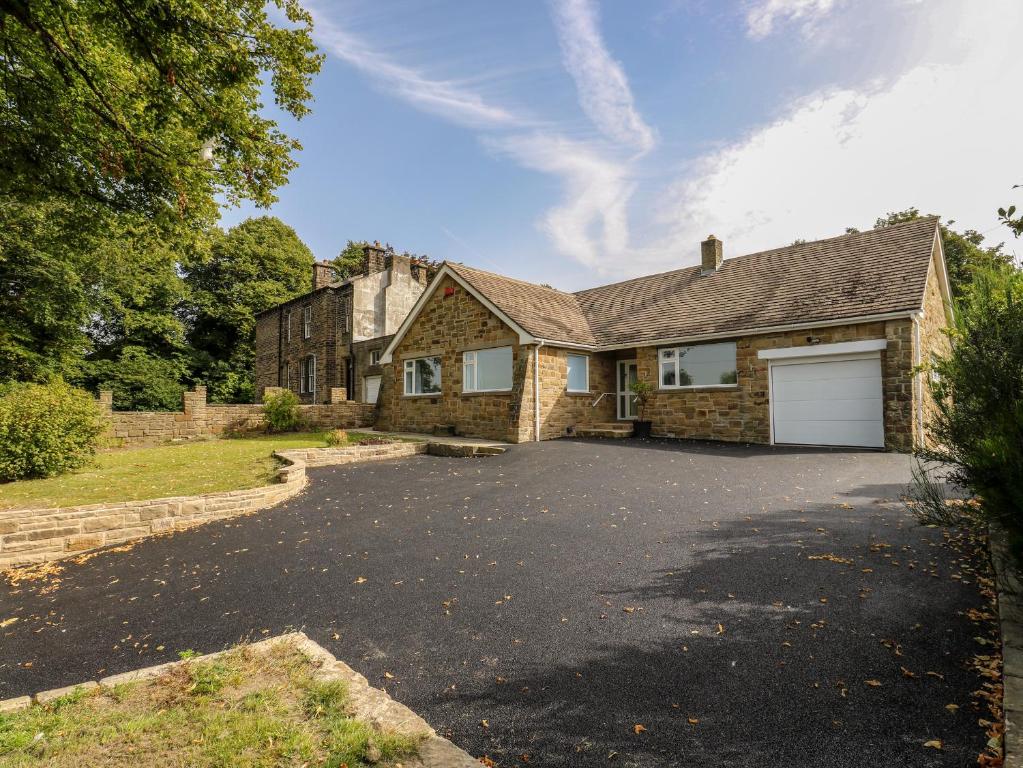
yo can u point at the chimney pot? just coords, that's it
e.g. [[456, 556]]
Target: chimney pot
[[711, 253]]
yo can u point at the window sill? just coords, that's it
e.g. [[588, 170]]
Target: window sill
[[691, 387], [423, 394], [578, 392], [477, 393]]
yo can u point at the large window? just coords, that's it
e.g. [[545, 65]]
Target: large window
[[308, 383], [422, 376], [704, 365], [487, 370], [578, 373], [307, 322]]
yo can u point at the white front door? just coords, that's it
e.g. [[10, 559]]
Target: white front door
[[371, 389], [627, 375], [828, 402]]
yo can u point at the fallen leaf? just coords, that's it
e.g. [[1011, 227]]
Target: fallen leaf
[[952, 707], [933, 743], [721, 629], [8, 622], [388, 675], [693, 720], [637, 728], [360, 580], [873, 683]]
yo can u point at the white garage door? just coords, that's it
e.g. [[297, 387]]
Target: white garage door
[[372, 389], [831, 402]]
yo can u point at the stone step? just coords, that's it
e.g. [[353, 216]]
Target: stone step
[[611, 430]]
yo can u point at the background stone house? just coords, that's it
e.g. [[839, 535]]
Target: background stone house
[[817, 343], [333, 336]]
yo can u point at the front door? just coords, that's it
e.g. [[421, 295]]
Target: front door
[[627, 375]]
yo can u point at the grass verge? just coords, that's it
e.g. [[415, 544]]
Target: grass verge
[[182, 469], [246, 708]]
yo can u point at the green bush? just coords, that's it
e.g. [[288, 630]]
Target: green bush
[[46, 429], [977, 429], [280, 410], [336, 438]]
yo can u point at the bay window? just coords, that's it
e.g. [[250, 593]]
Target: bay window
[[487, 370], [422, 376], [702, 365]]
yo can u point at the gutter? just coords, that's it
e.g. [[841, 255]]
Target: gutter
[[536, 389]]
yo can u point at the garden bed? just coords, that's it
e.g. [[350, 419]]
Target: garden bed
[[269, 704]]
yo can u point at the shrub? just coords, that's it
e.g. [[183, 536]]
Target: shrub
[[977, 428], [280, 409], [46, 429], [336, 438]]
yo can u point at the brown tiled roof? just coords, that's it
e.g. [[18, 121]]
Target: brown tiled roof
[[546, 313], [856, 275]]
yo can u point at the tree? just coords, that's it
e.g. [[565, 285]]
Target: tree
[[254, 266], [349, 262], [46, 302], [1009, 218], [964, 253], [150, 107]]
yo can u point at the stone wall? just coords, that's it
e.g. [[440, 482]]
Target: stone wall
[[561, 410], [36, 535], [198, 419], [933, 341]]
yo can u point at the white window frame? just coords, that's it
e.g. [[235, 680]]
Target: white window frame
[[677, 357], [307, 372], [470, 371], [374, 356], [287, 325], [586, 367], [307, 322], [409, 366]]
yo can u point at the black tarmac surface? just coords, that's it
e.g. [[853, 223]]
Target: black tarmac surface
[[571, 603]]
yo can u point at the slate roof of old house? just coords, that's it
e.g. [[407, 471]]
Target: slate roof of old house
[[855, 275]]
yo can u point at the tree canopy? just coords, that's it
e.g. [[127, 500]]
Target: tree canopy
[[149, 107]]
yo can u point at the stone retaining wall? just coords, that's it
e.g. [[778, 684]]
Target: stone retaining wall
[[36, 535], [198, 419]]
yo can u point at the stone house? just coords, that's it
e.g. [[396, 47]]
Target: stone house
[[817, 343], [332, 337]]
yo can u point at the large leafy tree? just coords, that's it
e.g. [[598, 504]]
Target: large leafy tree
[[349, 262], [149, 106], [253, 266], [965, 254]]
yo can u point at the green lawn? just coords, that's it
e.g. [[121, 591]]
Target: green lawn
[[184, 469], [258, 709]]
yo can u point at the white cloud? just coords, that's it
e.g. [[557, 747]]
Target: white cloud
[[446, 98], [592, 221], [604, 92], [938, 137], [763, 15]]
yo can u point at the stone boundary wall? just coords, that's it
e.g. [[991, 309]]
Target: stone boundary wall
[[37, 535], [198, 419]]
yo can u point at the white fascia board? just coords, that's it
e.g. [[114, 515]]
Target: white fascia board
[[943, 281], [524, 336], [822, 350]]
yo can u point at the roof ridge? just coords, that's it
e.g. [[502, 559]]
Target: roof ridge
[[846, 235]]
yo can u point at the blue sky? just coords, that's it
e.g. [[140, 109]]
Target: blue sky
[[577, 142]]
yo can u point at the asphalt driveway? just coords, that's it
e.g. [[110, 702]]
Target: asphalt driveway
[[571, 603]]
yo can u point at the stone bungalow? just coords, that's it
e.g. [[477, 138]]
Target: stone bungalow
[[326, 345], [816, 343]]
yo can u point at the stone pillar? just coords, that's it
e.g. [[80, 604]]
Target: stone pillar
[[195, 404], [338, 395], [105, 402]]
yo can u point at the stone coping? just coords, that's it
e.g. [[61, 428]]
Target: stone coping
[[29, 536], [367, 703], [1010, 616]]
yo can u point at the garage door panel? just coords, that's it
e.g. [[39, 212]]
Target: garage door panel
[[837, 402], [829, 410], [843, 389], [856, 433]]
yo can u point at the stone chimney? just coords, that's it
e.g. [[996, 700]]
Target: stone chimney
[[711, 251], [323, 274], [374, 258]]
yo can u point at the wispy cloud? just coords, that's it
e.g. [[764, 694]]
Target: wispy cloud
[[592, 222], [447, 98], [603, 88], [762, 16]]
